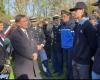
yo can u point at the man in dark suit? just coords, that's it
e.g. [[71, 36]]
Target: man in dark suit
[[25, 49]]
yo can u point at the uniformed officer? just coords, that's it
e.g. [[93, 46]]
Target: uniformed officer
[[66, 32], [47, 29], [56, 48]]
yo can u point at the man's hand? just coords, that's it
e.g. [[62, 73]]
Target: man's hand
[[39, 47], [35, 56], [42, 45]]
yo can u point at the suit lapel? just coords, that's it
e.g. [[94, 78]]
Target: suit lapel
[[22, 33]]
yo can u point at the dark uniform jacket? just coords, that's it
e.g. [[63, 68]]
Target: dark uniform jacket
[[38, 34], [47, 32], [56, 41]]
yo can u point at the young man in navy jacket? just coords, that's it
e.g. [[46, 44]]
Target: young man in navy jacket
[[84, 41]]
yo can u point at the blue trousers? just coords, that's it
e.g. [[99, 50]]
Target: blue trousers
[[95, 76], [45, 64]]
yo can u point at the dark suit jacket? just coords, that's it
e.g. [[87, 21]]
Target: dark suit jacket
[[22, 45], [23, 49]]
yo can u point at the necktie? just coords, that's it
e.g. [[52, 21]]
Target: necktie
[[26, 33]]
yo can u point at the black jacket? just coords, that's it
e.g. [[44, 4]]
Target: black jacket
[[96, 65], [56, 39], [85, 38], [47, 32]]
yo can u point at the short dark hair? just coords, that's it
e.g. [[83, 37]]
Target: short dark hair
[[19, 17]]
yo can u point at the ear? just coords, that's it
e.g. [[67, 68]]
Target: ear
[[18, 24]]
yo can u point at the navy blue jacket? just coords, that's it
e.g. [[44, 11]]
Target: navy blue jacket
[[56, 42], [96, 65], [84, 40]]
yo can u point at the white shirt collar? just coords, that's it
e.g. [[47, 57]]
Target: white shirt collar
[[23, 29]]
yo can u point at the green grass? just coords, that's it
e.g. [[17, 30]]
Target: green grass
[[11, 75], [54, 76]]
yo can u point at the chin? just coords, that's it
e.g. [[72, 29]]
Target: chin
[[25, 27]]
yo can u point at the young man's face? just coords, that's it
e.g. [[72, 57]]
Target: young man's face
[[79, 13], [1, 26], [65, 18], [23, 23]]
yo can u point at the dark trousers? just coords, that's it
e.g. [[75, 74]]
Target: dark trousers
[[1, 67], [68, 53], [48, 51], [57, 60], [80, 71]]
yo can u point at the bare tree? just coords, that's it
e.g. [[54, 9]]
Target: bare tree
[[21, 6]]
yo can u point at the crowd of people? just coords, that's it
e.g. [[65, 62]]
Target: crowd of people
[[72, 38]]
